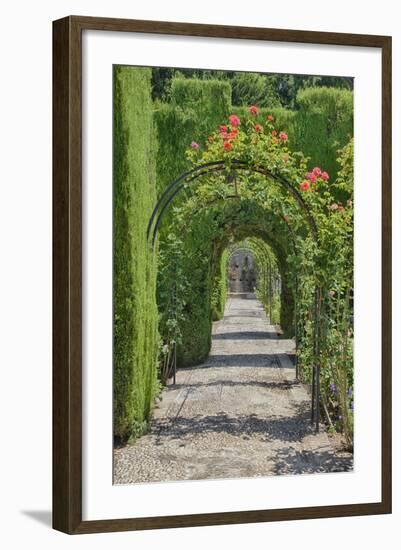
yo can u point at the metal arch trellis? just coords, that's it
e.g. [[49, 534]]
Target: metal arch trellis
[[183, 181], [189, 177], [258, 248]]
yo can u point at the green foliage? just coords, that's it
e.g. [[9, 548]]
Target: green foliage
[[196, 107], [220, 288], [280, 89], [318, 245], [172, 289], [134, 269], [253, 89], [197, 234], [138, 428], [324, 124], [319, 125]]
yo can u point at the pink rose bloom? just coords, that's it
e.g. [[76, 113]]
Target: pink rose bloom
[[283, 136], [270, 117], [334, 206], [311, 176], [324, 176], [195, 145], [317, 171], [253, 110], [234, 120], [223, 128]]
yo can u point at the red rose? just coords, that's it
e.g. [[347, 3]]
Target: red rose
[[253, 110], [230, 135], [227, 146], [258, 128], [304, 185], [283, 136], [234, 120]]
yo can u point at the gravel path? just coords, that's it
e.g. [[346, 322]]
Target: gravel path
[[240, 414]]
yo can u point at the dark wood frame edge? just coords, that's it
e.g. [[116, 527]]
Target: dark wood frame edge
[[67, 275]]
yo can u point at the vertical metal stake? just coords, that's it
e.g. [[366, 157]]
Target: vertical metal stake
[[270, 294], [317, 397], [313, 394], [175, 362]]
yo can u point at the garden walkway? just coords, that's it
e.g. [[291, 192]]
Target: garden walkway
[[239, 414]]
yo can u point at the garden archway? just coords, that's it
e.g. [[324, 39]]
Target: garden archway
[[230, 168]]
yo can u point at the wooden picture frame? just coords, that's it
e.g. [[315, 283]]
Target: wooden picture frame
[[67, 274]]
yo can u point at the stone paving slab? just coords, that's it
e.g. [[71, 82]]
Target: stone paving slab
[[242, 413]]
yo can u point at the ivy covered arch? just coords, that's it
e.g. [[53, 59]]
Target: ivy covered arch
[[247, 161]]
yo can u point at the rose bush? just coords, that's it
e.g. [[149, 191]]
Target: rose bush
[[315, 216]]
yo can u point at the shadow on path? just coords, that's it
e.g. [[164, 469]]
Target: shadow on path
[[287, 428], [289, 461], [255, 360], [250, 335], [285, 385]]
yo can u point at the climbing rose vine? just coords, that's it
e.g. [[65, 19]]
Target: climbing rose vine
[[323, 261]]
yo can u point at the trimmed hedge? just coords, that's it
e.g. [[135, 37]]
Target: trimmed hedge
[[196, 108], [321, 124], [134, 269], [324, 124]]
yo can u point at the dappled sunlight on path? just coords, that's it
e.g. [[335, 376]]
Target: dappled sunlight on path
[[242, 413]]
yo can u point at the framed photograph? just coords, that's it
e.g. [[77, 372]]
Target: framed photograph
[[222, 275]]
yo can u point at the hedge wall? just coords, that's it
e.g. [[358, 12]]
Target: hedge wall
[[324, 124], [134, 270], [196, 108], [321, 124]]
